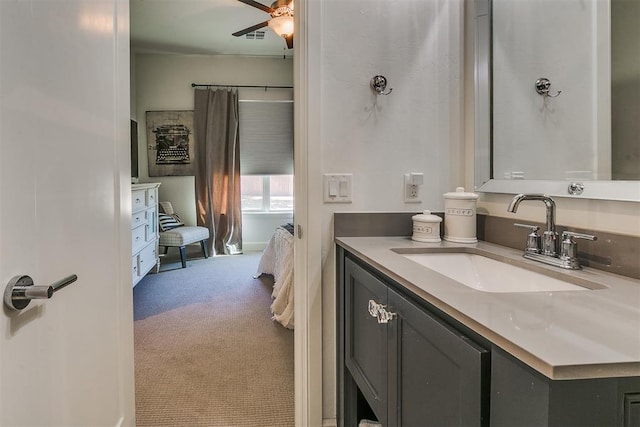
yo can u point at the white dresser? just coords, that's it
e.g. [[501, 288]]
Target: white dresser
[[144, 229]]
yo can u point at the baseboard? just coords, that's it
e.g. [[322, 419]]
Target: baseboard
[[329, 422]]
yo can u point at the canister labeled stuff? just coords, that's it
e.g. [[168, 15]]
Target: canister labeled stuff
[[426, 227], [460, 216]]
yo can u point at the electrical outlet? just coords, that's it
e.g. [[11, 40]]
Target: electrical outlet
[[411, 191]]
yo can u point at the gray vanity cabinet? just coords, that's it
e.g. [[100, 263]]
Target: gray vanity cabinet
[[411, 368], [416, 366], [521, 396]]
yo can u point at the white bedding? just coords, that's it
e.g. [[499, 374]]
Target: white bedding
[[277, 260]]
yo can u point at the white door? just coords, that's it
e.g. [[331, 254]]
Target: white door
[[64, 209]]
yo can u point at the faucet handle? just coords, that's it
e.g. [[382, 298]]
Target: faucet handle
[[572, 234], [533, 238], [569, 248]]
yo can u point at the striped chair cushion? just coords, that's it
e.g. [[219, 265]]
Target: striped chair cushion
[[169, 222]]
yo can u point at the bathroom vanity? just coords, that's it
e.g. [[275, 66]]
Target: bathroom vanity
[[416, 347]]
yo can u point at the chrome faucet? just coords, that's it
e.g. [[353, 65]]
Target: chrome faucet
[[549, 237], [549, 249]]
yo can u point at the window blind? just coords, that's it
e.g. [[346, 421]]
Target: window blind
[[266, 137]]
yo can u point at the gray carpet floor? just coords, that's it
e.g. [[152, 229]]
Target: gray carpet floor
[[206, 350]]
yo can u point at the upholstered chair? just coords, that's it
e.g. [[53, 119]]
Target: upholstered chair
[[173, 233]]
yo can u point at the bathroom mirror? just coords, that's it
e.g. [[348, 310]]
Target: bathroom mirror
[[557, 93]]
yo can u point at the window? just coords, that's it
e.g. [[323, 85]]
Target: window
[[266, 137], [266, 155], [267, 193]]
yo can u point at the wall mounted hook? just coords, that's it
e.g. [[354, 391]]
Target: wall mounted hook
[[379, 84], [542, 87]]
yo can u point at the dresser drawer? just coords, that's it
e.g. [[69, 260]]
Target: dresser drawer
[[138, 239], [147, 258], [138, 200], [152, 196], [134, 269], [138, 219]]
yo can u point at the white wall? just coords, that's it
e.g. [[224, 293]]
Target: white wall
[[258, 227], [417, 45], [163, 82]]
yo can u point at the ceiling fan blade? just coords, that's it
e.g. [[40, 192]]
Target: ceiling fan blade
[[260, 6], [250, 29], [289, 41]]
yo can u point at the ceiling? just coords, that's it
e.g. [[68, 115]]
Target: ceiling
[[200, 27]]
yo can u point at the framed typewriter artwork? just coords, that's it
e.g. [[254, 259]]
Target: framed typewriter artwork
[[170, 143]]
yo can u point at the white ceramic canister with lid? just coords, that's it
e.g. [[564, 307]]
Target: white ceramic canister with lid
[[426, 227], [460, 216]]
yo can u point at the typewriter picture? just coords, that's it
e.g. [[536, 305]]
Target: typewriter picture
[[172, 145]]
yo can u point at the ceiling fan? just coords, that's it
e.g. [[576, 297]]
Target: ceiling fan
[[281, 21]]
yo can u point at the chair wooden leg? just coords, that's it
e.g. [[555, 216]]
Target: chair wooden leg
[[205, 247], [183, 256]]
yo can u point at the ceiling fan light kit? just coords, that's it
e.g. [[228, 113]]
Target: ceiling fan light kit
[[282, 25], [281, 21]]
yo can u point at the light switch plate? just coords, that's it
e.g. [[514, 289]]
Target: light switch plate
[[337, 187]]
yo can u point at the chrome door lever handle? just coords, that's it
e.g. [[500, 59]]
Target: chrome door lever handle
[[20, 290]]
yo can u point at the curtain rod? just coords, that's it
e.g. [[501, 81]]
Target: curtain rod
[[247, 86]]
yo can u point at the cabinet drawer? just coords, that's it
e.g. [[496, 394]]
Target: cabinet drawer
[[134, 269], [152, 196], [138, 239], [138, 200], [138, 219], [147, 259]]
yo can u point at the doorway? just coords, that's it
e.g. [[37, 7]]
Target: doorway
[[161, 81]]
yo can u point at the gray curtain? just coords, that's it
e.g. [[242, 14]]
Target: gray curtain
[[218, 168]]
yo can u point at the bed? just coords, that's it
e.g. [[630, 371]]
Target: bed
[[277, 260]]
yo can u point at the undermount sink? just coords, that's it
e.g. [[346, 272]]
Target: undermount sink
[[490, 275]]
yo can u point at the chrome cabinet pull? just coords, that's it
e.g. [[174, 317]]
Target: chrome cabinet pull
[[20, 290], [385, 316], [374, 307], [379, 312]]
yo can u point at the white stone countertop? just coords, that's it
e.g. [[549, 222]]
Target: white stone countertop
[[561, 334]]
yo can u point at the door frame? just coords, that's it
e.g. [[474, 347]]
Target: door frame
[[307, 283]]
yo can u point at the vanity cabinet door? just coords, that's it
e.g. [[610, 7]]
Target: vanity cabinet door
[[365, 338], [436, 375]]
